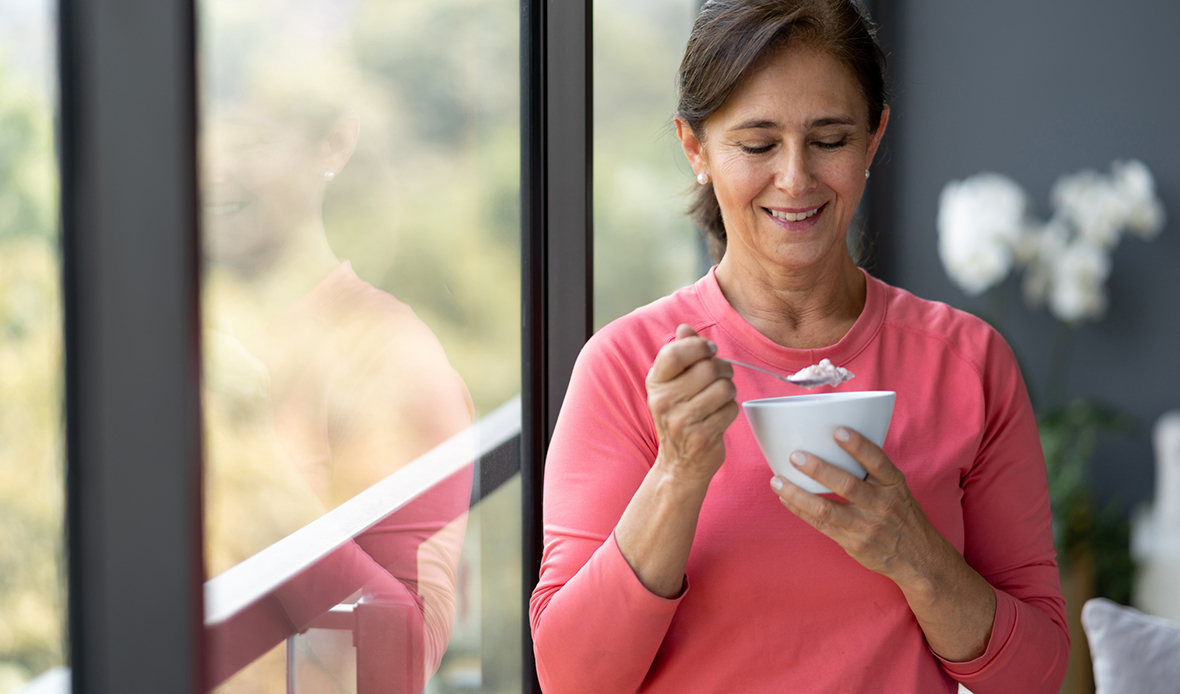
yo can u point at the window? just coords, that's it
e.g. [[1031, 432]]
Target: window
[[360, 201], [212, 194], [645, 246]]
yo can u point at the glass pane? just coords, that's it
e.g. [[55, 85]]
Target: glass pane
[[361, 305], [32, 491], [644, 245]]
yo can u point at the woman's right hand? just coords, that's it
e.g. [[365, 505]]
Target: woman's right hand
[[691, 398]]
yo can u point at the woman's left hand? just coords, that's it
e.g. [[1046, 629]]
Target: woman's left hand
[[884, 528], [881, 526]]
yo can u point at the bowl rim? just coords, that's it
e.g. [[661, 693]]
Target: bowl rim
[[818, 398]]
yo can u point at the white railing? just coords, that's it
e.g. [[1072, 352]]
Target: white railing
[[244, 612]]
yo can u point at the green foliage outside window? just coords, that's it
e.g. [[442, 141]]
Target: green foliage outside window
[[32, 584]]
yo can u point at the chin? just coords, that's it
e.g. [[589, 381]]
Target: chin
[[803, 256], [244, 260]]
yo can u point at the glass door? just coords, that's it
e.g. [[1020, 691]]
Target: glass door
[[360, 300]]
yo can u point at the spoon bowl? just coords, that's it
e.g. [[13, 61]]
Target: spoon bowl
[[794, 379]]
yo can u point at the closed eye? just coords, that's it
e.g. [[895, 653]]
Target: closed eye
[[756, 150]]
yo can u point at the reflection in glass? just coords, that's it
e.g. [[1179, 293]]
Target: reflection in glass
[[32, 491], [359, 170], [644, 245]]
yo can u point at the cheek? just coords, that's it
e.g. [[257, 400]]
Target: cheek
[[281, 174], [846, 176], [738, 182]]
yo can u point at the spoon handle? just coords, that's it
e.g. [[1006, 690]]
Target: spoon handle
[[757, 368]]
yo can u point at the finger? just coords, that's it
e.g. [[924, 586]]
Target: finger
[[693, 397], [878, 465], [840, 481], [710, 431], [702, 374], [689, 384], [825, 515], [692, 380], [680, 354], [718, 405]]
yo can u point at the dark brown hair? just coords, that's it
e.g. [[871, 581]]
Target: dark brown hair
[[727, 41]]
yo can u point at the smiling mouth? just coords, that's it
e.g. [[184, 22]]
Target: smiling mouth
[[223, 209], [794, 216]]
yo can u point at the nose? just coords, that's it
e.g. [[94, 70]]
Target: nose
[[794, 175]]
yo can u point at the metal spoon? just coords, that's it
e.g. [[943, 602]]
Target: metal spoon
[[793, 379]]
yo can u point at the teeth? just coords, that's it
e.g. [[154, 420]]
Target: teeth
[[793, 217]]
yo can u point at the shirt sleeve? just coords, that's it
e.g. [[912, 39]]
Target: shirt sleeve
[[1009, 541], [595, 627]]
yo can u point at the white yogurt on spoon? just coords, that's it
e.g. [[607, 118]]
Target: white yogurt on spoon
[[821, 374], [824, 373]]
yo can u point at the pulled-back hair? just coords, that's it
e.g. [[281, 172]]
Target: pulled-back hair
[[727, 41]]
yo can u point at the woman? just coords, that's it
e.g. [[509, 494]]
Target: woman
[[672, 563]]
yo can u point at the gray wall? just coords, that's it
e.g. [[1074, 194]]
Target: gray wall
[[1034, 90]]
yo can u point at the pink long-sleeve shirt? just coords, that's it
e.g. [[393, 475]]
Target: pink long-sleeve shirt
[[772, 605]]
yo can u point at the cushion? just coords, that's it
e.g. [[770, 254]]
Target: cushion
[[1133, 653]]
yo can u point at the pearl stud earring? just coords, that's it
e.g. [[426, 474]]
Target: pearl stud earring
[[702, 178], [329, 175], [866, 173]]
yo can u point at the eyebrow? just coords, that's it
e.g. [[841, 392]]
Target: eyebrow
[[823, 122]]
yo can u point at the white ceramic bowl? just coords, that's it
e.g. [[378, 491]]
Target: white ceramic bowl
[[808, 422]]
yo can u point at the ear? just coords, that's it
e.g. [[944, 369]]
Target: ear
[[340, 142], [693, 148], [875, 138]]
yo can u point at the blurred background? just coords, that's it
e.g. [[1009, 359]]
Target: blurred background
[[427, 211], [1037, 91], [1034, 92], [32, 489]]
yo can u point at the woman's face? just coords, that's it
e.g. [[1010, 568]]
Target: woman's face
[[787, 154], [263, 178]]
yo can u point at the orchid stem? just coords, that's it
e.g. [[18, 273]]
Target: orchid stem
[[1059, 367], [996, 302]]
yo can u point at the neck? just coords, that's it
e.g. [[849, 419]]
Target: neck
[[805, 308], [303, 262]]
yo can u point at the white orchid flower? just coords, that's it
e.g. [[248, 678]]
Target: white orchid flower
[[1049, 243], [1144, 211], [1093, 204], [1078, 290], [984, 228], [980, 221]]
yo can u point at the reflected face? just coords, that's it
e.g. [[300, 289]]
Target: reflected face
[[787, 154], [262, 179]]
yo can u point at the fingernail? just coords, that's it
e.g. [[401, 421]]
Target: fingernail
[[777, 483], [797, 458], [843, 434], [712, 346]]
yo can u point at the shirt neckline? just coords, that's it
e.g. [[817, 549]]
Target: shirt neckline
[[756, 347]]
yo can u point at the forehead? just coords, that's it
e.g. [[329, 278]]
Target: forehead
[[792, 87]]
